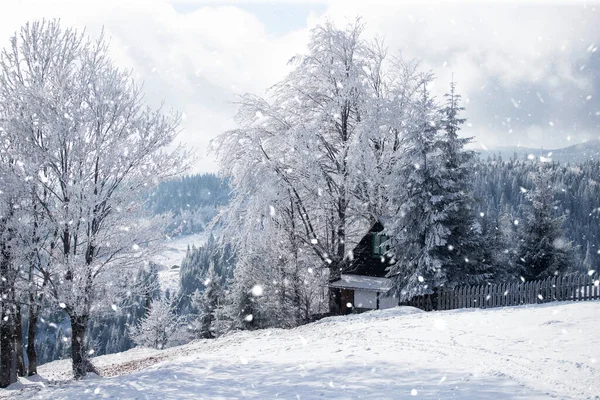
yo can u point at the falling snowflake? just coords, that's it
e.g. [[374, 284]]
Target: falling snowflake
[[257, 291]]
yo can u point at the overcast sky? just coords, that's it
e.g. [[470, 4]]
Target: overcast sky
[[529, 71]]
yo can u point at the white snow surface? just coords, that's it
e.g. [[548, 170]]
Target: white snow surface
[[527, 352], [172, 255], [370, 283]]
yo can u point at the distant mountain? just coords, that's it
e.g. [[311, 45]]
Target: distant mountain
[[576, 153]]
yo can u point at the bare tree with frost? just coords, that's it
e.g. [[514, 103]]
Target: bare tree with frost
[[300, 153], [89, 149]]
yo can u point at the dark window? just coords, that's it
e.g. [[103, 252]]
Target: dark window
[[379, 244]]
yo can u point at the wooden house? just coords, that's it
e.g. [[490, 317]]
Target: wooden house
[[363, 285]]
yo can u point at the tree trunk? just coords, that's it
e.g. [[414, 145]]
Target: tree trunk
[[18, 342], [31, 354], [334, 301], [78, 353], [6, 349], [335, 273]]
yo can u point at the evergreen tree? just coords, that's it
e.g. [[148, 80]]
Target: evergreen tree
[[420, 235], [207, 302], [588, 261], [155, 329], [463, 256], [543, 251], [196, 264]]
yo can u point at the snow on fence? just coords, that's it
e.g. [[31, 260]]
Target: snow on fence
[[556, 288]]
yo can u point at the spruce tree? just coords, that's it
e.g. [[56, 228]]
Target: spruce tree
[[207, 302], [543, 251], [419, 234], [155, 329], [463, 256], [588, 261]]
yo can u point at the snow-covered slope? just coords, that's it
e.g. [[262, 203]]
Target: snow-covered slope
[[172, 256], [529, 352]]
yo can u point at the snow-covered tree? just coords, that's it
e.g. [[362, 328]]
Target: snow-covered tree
[[420, 236], [155, 329], [464, 258], [588, 261], [306, 163], [90, 150], [544, 251], [196, 263], [206, 302]]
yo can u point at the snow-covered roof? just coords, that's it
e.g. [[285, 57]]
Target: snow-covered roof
[[362, 282]]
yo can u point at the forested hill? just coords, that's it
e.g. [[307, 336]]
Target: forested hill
[[193, 200], [501, 187], [190, 192]]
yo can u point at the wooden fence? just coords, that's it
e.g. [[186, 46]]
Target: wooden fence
[[557, 288]]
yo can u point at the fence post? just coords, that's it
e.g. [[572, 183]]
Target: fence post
[[471, 296]]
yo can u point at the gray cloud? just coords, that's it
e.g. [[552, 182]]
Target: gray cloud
[[525, 69]]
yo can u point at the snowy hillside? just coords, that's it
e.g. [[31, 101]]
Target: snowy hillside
[[172, 256], [530, 352]]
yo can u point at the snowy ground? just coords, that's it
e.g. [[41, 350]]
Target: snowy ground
[[529, 352], [173, 255]]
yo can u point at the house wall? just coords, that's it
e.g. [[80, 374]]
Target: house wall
[[364, 299], [368, 300], [387, 302]]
